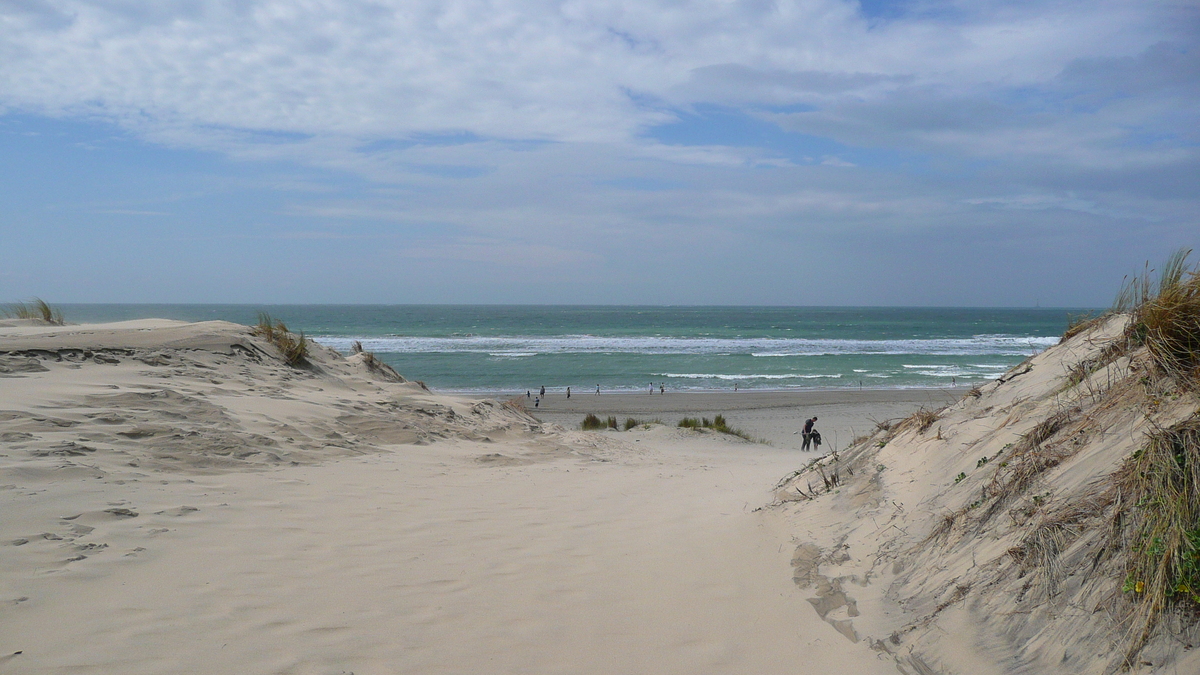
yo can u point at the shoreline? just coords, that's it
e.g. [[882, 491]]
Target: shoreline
[[560, 391]]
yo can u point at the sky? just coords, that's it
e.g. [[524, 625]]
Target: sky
[[737, 152]]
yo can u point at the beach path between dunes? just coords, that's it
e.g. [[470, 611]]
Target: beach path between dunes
[[457, 557]]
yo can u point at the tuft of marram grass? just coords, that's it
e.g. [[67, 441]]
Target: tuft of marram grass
[[921, 420], [1161, 482], [35, 309], [1166, 317], [293, 348], [1080, 323], [717, 423], [591, 422]]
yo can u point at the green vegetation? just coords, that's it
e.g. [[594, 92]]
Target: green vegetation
[[35, 309], [293, 348], [717, 423], [592, 422], [1162, 482]]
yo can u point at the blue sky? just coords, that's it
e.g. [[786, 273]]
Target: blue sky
[[662, 152]]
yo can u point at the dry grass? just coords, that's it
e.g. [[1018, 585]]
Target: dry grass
[[921, 420], [1081, 324], [35, 309], [1021, 465], [1166, 318], [1041, 549], [293, 348], [1084, 368], [1160, 484]]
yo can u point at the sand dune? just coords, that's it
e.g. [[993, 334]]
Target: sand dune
[[989, 538], [177, 499]]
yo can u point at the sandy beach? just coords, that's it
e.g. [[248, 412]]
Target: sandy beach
[[176, 499], [774, 416]]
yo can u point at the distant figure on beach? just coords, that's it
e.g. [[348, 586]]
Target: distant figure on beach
[[597, 390], [662, 388], [568, 392], [527, 394], [808, 432], [536, 400], [735, 387], [953, 381], [543, 394], [651, 388]]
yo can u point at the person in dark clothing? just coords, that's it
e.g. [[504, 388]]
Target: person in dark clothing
[[808, 432]]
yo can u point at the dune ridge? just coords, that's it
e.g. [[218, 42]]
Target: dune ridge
[[179, 499], [992, 535]]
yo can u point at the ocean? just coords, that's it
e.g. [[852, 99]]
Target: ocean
[[504, 349]]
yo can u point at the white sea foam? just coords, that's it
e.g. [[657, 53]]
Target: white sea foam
[[979, 345], [723, 376]]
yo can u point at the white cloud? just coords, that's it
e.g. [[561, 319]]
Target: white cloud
[[566, 71], [509, 132]]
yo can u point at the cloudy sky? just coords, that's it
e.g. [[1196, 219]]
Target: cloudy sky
[[794, 152]]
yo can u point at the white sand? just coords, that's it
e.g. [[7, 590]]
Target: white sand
[[331, 521]]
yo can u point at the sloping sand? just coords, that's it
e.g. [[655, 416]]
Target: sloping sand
[[987, 539], [176, 499]]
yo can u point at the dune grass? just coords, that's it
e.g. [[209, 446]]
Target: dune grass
[[717, 423], [591, 423], [293, 347], [921, 420], [1161, 483], [35, 309], [1166, 317]]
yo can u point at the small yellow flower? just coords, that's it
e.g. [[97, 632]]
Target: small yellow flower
[[1139, 587]]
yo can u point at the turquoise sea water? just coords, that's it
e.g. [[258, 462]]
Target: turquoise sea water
[[515, 348]]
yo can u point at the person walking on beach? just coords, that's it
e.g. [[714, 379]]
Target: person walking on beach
[[651, 388], [808, 432], [568, 392], [662, 388], [536, 401], [543, 394], [527, 394], [597, 390]]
